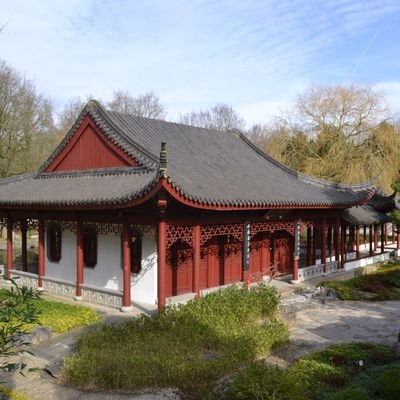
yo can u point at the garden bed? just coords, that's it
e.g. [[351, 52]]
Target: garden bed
[[384, 284], [188, 347], [356, 371]]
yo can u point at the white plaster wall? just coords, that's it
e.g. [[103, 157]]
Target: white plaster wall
[[108, 272], [144, 284], [65, 269]]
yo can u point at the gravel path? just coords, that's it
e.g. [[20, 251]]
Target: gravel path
[[313, 327]]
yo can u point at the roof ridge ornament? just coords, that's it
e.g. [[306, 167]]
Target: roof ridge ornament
[[163, 160]]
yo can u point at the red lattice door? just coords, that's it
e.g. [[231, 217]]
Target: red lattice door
[[282, 255], [259, 256], [215, 262], [179, 274], [232, 254]]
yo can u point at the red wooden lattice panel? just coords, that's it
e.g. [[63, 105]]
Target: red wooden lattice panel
[[175, 232], [208, 231], [272, 226]]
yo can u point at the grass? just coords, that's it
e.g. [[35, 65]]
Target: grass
[[330, 374], [10, 394], [188, 347], [384, 284], [61, 317]]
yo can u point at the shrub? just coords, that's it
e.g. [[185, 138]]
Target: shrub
[[17, 310], [186, 346], [349, 394], [389, 383], [348, 354], [260, 381], [368, 379]]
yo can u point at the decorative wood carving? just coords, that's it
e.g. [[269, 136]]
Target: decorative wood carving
[[175, 232], [271, 227], [208, 231]]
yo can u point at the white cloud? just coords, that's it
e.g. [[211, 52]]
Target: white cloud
[[251, 54]]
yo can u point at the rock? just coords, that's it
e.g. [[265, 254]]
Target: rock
[[41, 333], [20, 339]]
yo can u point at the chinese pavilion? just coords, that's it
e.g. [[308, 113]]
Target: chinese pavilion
[[134, 209]]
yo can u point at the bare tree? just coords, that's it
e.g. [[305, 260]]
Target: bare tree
[[342, 133], [146, 105], [26, 118], [351, 111], [221, 117], [69, 113]]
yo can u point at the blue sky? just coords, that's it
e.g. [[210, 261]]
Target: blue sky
[[254, 55]]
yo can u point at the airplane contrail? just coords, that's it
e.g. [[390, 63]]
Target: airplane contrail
[[368, 46]]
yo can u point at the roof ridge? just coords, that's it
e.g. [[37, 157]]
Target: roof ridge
[[16, 178], [303, 177], [129, 170]]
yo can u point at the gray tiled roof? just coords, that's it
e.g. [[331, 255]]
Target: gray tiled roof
[[76, 188], [206, 166], [364, 215]]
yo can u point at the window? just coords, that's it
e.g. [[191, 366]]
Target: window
[[90, 248], [136, 254], [54, 242]]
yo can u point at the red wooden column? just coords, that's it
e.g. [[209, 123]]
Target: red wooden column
[[352, 238], [126, 245], [41, 255], [365, 235], [79, 260], [393, 233], [371, 248], [375, 238], [330, 242], [24, 250], [309, 246], [265, 264], [314, 246], [296, 253], [161, 261], [323, 244], [196, 260], [382, 238], [398, 236], [9, 248], [357, 242], [386, 234], [337, 242], [342, 245]]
